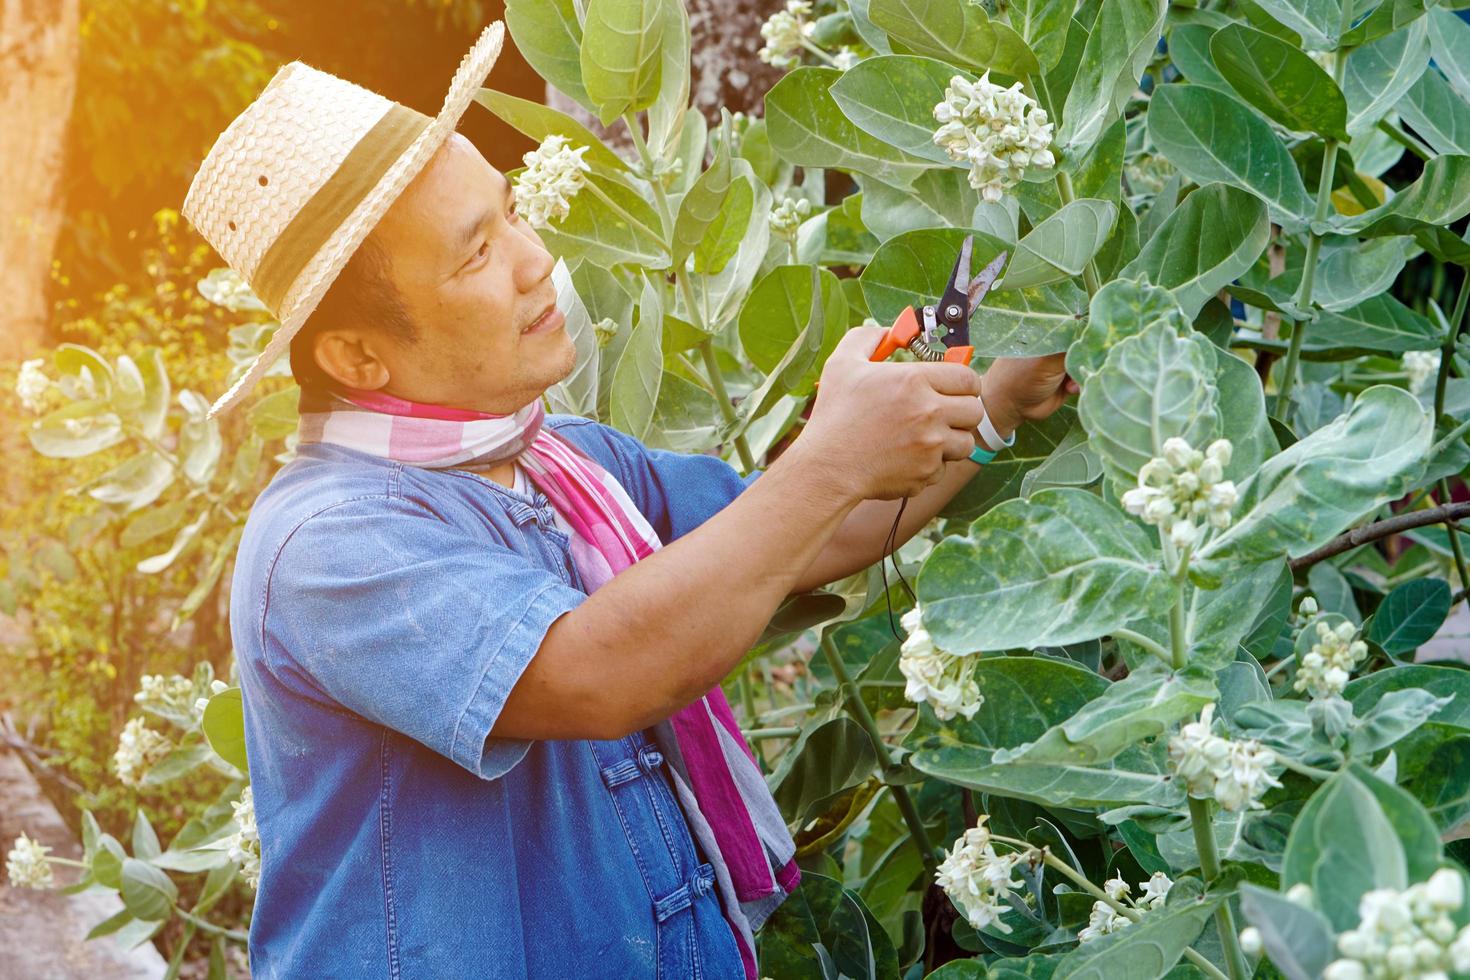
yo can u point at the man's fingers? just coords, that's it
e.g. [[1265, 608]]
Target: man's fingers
[[963, 412], [949, 378], [858, 344]]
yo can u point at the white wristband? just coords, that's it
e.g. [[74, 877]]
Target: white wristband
[[990, 436]]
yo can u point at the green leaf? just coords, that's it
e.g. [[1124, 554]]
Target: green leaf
[[156, 393], [1378, 74], [153, 522], [1043, 25], [912, 268], [619, 226], [148, 892], [1061, 246], [1204, 244], [1350, 272], [539, 121], [955, 31], [186, 536], [1242, 405], [1153, 387], [1148, 948], [1028, 322], [1387, 17], [1188, 122], [892, 97], [135, 483], [548, 34], [1038, 692], [1001, 478], [701, 206], [1381, 324], [640, 369], [1442, 682], [1118, 48], [199, 440], [180, 761], [622, 55], [1061, 567], [795, 365], [275, 415], [145, 840], [1280, 80], [576, 394], [729, 226], [1141, 706], [938, 198], [76, 430], [1308, 493], [1121, 308], [1298, 940], [224, 725], [109, 925], [1315, 20], [107, 862], [204, 586], [685, 418], [1438, 113], [808, 128], [1439, 197], [777, 312], [827, 760], [1410, 615], [824, 926], [669, 115], [1189, 50], [1449, 42]]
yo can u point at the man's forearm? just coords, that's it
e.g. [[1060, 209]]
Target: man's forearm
[[666, 630]]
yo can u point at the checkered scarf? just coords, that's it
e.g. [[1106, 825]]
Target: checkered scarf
[[729, 808]]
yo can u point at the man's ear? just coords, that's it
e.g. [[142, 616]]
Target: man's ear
[[352, 358]]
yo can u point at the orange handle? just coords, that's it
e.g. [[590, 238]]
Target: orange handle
[[904, 330]]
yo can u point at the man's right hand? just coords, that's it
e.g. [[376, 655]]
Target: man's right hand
[[884, 430]]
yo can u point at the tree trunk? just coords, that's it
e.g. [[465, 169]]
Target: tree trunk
[[39, 41]]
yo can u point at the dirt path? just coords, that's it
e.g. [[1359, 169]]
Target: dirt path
[[41, 932]]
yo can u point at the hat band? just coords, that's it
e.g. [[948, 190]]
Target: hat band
[[325, 211]]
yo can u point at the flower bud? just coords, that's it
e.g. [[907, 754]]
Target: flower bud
[[1210, 471], [1183, 534], [1445, 890], [1220, 451], [1345, 970], [1250, 941], [1301, 894], [1308, 606], [1177, 452]]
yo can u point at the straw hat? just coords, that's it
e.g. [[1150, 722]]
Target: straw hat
[[293, 186]]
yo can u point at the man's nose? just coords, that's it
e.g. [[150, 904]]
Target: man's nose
[[533, 264]]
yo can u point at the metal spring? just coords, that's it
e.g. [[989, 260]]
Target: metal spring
[[923, 351]]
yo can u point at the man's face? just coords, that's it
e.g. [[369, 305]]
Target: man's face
[[476, 280]]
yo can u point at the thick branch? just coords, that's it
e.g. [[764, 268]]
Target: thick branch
[[1382, 529]]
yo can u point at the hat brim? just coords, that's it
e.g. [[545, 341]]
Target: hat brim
[[317, 277]]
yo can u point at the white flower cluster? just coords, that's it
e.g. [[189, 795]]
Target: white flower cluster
[[1420, 366], [785, 32], [845, 58], [787, 216], [138, 748], [1326, 668], [26, 864], [32, 384], [933, 675], [1406, 934], [1184, 488], [244, 844], [1105, 919], [977, 879], [605, 330], [1235, 773], [998, 131], [170, 690], [554, 173]]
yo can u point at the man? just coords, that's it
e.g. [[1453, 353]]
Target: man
[[480, 648]]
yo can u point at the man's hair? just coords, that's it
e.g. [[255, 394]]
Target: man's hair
[[362, 295]]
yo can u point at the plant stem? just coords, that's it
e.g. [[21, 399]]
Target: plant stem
[[1441, 384], [830, 61], [1138, 639], [205, 926], [1068, 195], [1209, 864], [856, 707], [757, 734], [722, 396], [1280, 665], [1399, 136], [1303, 768], [1378, 530]]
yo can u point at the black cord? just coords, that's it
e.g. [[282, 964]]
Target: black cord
[[889, 547]]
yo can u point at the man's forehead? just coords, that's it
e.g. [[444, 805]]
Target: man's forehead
[[458, 179]]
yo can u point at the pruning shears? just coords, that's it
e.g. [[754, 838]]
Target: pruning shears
[[941, 331]]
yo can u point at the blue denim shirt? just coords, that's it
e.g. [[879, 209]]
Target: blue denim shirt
[[381, 614]]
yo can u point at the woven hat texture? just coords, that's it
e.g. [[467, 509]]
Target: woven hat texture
[[275, 164]]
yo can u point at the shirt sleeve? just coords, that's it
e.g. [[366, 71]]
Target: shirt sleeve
[[399, 617], [676, 492]]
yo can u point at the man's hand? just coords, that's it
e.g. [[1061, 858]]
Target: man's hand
[[1019, 389]]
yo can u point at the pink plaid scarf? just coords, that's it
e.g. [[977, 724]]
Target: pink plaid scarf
[[729, 808]]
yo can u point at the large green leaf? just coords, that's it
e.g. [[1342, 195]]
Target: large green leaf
[[1438, 113], [548, 35], [955, 31], [777, 311], [937, 198], [622, 55], [135, 483], [1043, 25], [827, 760], [1001, 478], [808, 128], [1378, 74], [1118, 48], [1037, 692], [1210, 136], [1189, 49], [1146, 949], [1355, 834], [540, 121], [1314, 489], [1061, 567], [1061, 246], [76, 430], [892, 97], [1204, 244], [730, 225], [1317, 21], [1280, 80], [616, 227], [1298, 939], [824, 930], [795, 366], [669, 115], [1120, 309], [1152, 387], [1410, 615], [224, 725], [1380, 324], [576, 394], [1440, 196], [701, 206], [147, 892], [640, 370], [1071, 464], [1442, 682], [1242, 404], [1029, 322], [1350, 272], [1449, 42], [911, 269], [1141, 706]]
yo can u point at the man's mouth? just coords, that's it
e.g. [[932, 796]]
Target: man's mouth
[[550, 319]]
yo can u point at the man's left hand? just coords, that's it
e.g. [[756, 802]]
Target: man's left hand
[[1019, 389]]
